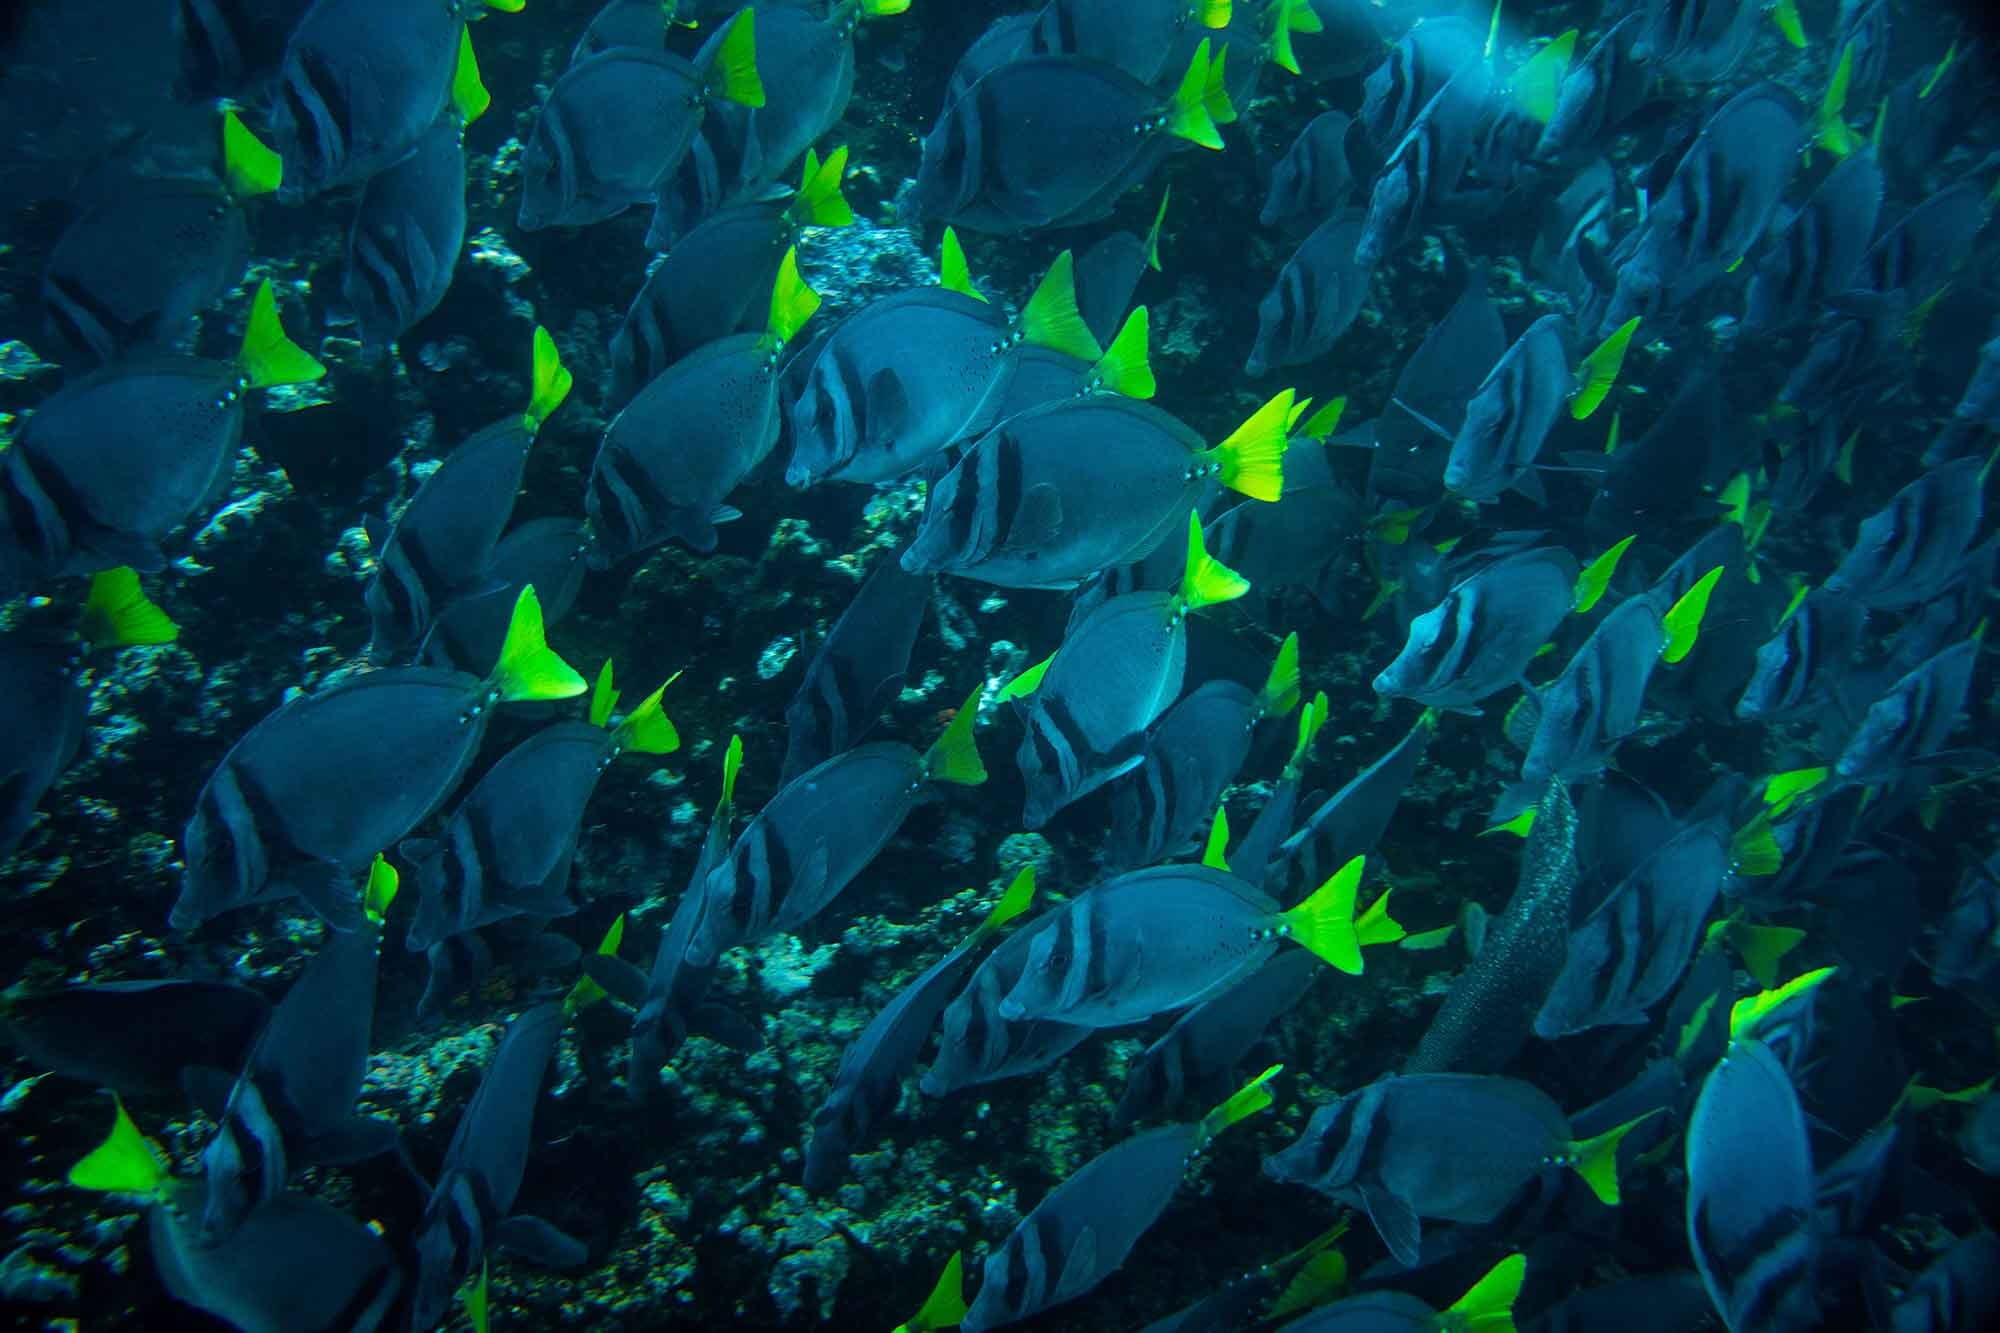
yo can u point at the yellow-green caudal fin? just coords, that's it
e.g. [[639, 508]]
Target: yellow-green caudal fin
[[1281, 687], [380, 890], [1215, 852], [882, 9], [1124, 368], [1785, 14], [506, 6], [733, 77], [1280, 43], [1599, 370], [792, 302], [1754, 849], [1252, 460], [945, 1307], [1596, 1159], [1761, 948], [529, 668], [1596, 576], [1376, 926], [1311, 719], [1188, 114], [248, 167], [603, 696], [1489, 1306], [117, 613], [1326, 420], [127, 1162], [552, 380], [1207, 581], [469, 98], [1749, 1013], [1245, 1102], [477, 1296], [1051, 318], [1324, 922], [268, 357], [586, 991], [1683, 619], [1782, 790], [954, 274], [955, 758], [1535, 83], [1018, 898], [647, 728], [1214, 13], [1153, 234], [1215, 92], [1027, 682], [1830, 124], [820, 201], [732, 764]]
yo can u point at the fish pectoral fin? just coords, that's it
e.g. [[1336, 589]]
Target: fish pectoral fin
[[1079, 1272], [718, 1022], [331, 891], [353, 1140], [539, 1243], [621, 980], [1396, 1222]]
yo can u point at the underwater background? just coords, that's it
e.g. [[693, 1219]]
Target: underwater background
[[1539, 500]]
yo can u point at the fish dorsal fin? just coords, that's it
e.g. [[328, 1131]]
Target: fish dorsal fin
[[380, 890], [1597, 575], [945, 1307], [647, 729], [955, 756], [1245, 1102], [1214, 851], [733, 76], [603, 696], [1682, 621], [1541, 74], [1251, 461], [1051, 318], [792, 301], [1124, 369], [551, 381], [1153, 233], [528, 667], [1189, 115], [1598, 370], [469, 98], [1280, 694], [1489, 1306], [248, 167], [1206, 580], [820, 202], [118, 614], [954, 274], [127, 1162], [267, 356]]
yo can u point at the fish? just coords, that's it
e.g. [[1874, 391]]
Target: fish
[[1298, 539], [548, 554], [1107, 275], [870, 408], [616, 126], [441, 546], [999, 160], [1426, 166], [471, 1208], [1491, 1007], [456, 967], [1816, 252], [1956, 1290], [293, 1103], [859, 668], [672, 456], [409, 223], [1152, 941], [1918, 253], [360, 83], [1065, 491], [506, 850], [134, 1037], [1043, 377], [1085, 711], [145, 256], [872, 1066], [1912, 548], [1976, 414], [821, 830], [1314, 178], [1316, 298], [1350, 822], [1138, 38], [1200, 1052], [1908, 725], [1960, 956], [1083, 1229], [1193, 754], [1700, 41], [1598, 93], [1414, 433], [231, 49], [1411, 74], [1451, 1147], [1481, 637], [976, 1044], [302, 802], [111, 464], [1800, 667], [1654, 480], [1750, 1194], [623, 23], [1488, 1303], [1510, 416], [712, 283]]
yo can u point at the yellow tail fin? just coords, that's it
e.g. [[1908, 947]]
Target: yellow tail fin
[[477, 1297], [1683, 619], [1324, 922], [1785, 13], [528, 668], [1536, 82], [648, 729], [1781, 790], [945, 1307], [1596, 1159], [954, 275], [1027, 682], [1489, 1306], [733, 77], [380, 890], [1214, 853], [732, 764], [1599, 370], [1123, 368], [586, 991], [1051, 319], [603, 697], [955, 756], [1761, 948], [792, 302], [1252, 459], [1749, 1012], [1153, 234], [248, 167], [820, 202], [1214, 13], [127, 1162], [1281, 687], [1245, 1102], [1754, 848], [1018, 898], [117, 613], [552, 380], [268, 357], [469, 98], [1597, 575], [1188, 114], [1830, 129], [1207, 581]]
